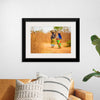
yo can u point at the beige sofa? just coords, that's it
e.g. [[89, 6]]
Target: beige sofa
[[7, 90]]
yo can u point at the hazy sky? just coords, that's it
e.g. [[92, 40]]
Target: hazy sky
[[44, 28]]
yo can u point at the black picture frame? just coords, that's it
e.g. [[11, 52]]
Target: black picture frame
[[77, 20]]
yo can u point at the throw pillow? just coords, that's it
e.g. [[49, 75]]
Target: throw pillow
[[29, 91], [55, 88]]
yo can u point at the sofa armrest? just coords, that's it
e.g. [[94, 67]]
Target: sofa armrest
[[71, 97], [84, 95]]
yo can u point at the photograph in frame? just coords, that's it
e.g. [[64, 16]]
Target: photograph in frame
[[50, 39]]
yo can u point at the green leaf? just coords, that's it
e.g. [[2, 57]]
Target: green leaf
[[69, 43], [98, 49], [58, 28], [96, 42], [87, 77], [94, 37], [96, 71]]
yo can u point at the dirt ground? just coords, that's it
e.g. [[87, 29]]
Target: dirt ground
[[47, 49]]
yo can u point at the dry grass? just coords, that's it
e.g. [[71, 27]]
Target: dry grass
[[36, 44]]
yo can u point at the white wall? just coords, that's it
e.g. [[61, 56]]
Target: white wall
[[11, 12]]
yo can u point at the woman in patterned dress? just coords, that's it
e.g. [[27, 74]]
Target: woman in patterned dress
[[53, 39], [59, 40]]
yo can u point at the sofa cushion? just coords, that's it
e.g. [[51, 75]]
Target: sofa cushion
[[7, 88], [55, 88], [29, 91]]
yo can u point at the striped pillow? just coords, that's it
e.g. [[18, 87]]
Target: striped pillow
[[29, 91], [56, 88]]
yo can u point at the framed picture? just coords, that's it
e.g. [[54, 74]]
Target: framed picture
[[50, 40]]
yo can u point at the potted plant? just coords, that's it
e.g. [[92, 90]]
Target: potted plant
[[95, 41]]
